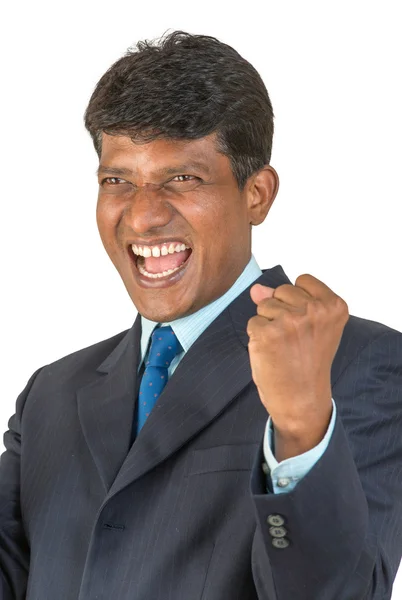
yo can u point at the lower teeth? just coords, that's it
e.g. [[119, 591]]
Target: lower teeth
[[156, 275]]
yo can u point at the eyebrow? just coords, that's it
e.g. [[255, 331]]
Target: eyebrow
[[117, 171]]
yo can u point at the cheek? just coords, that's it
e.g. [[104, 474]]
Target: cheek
[[214, 215], [228, 228], [100, 213], [106, 221], [222, 230], [106, 218]]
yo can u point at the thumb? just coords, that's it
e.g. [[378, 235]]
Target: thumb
[[260, 292]]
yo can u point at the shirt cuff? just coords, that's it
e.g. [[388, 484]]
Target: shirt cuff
[[286, 474]]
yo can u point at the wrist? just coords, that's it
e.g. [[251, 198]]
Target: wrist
[[295, 437]]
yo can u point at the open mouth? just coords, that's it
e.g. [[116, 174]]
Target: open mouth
[[160, 262]]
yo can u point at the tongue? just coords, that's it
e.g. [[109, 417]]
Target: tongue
[[154, 264]]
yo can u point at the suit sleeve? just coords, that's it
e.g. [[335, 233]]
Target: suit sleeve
[[340, 529], [14, 549]]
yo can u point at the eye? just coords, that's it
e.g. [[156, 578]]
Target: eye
[[188, 178], [112, 181], [182, 183]]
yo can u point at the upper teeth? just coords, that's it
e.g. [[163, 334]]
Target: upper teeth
[[162, 249]]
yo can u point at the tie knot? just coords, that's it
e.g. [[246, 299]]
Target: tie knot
[[164, 347]]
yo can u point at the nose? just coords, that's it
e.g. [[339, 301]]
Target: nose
[[148, 209]]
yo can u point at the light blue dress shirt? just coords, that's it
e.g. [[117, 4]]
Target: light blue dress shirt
[[286, 474]]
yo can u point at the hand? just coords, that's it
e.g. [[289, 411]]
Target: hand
[[293, 341]]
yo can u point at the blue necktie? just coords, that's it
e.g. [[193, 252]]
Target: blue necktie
[[164, 347]]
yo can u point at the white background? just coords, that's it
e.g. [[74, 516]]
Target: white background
[[333, 72]]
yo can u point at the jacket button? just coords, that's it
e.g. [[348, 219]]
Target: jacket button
[[277, 532], [280, 543], [275, 520]]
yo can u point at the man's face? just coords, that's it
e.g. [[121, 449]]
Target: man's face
[[179, 202]]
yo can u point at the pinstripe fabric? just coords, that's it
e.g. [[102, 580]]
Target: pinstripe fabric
[[182, 513]]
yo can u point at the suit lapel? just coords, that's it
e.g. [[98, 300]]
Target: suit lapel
[[106, 406], [209, 377]]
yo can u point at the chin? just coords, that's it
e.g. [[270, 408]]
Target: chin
[[157, 311]]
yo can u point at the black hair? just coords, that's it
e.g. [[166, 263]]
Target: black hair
[[186, 86]]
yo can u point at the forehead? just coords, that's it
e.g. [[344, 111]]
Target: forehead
[[161, 154]]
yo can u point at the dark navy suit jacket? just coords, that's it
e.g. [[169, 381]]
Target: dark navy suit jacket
[[182, 513]]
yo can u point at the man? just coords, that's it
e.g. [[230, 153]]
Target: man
[[243, 439]]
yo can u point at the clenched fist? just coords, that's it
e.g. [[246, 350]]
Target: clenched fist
[[293, 341]]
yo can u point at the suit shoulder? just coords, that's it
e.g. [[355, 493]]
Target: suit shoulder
[[80, 363], [364, 331], [358, 334]]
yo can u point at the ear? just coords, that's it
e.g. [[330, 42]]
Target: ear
[[261, 192]]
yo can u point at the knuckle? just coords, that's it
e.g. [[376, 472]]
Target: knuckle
[[282, 287], [319, 307], [340, 305], [250, 325], [262, 307], [303, 277], [254, 326], [315, 309]]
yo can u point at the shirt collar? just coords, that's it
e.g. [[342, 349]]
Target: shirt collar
[[188, 329]]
